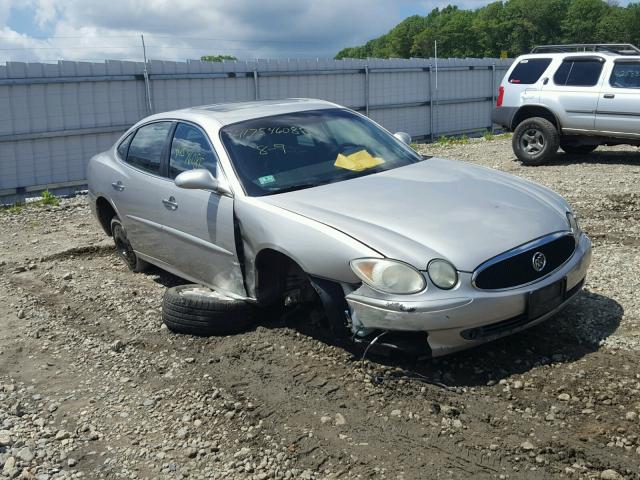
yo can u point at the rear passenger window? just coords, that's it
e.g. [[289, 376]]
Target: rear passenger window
[[190, 149], [625, 75], [578, 72], [123, 148], [529, 71], [145, 151]]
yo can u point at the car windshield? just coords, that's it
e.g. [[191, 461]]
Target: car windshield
[[300, 150]]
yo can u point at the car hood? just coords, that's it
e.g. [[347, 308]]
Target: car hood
[[436, 208]]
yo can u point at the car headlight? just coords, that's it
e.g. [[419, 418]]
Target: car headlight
[[442, 274], [389, 276], [573, 224]]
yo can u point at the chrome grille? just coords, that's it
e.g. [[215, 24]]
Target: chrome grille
[[518, 267]]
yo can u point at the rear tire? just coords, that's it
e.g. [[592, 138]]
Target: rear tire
[[124, 249], [535, 141], [577, 149], [198, 310]]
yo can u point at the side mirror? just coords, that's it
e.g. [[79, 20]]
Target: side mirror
[[403, 137], [200, 179]]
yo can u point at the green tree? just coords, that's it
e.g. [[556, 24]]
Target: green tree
[[614, 26], [401, 37], [580, 24], [514, 26], [452, 29], [217, 58]]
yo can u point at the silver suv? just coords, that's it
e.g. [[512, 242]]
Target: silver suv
[[575, 97]]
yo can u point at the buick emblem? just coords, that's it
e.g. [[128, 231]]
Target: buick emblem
[[539, 261]]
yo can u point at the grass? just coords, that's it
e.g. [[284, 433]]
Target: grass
[[46, 199], [459, 140], [463, 139]]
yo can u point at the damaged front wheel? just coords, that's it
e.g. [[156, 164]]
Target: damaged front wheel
[[198, 310]]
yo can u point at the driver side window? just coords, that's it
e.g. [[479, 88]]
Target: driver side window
[[190, 149]]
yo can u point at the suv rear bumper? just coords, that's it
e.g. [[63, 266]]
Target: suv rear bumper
[[503, 116]]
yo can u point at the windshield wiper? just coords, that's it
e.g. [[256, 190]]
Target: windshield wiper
[[293, 188]]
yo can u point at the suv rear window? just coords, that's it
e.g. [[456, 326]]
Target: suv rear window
[[625, 75], [529, 71], [578, 72]]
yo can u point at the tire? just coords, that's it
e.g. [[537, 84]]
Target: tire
[[198, 310], [578, 149], [535, 141], [124, 249]]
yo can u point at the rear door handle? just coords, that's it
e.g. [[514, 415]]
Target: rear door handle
[[170, 203], [609, 95], [118, 186]]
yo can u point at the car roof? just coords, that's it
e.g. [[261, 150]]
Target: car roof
[[576, 54], [232, 112]]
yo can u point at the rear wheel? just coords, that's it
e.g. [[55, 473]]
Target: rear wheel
[[198, 310], [124, 249], [577, 149], [535, 141]]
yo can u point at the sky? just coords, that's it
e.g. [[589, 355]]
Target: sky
[[95, 30]]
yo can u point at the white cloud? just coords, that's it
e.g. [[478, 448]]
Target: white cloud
[[45, 12], [95, 29]]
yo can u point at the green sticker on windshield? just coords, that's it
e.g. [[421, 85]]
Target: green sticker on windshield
[[266, 180]]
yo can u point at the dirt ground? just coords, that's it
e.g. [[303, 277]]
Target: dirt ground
[[92, 385]]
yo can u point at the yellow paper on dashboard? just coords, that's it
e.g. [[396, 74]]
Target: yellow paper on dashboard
[[358, 161]]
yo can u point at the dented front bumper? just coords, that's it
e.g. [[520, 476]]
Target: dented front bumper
[[465, 316]]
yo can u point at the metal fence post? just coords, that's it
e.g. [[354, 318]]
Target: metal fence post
[[366, 90], [493, 91], [147, 82], [255, 85], [431, 131]]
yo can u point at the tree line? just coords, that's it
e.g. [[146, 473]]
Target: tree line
[[513, 26]]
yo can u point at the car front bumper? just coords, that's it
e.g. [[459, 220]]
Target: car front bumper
[[465, 316]]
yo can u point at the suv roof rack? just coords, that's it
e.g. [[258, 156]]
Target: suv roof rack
[[617, 48]]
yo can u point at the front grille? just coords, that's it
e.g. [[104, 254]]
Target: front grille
[[515, 268]]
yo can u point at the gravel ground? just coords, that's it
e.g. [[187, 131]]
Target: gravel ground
[[92, 385]]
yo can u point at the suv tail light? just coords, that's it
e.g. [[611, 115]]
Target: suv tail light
[[500, 96]]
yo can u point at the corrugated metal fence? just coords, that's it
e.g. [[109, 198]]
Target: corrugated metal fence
[[54, 117]]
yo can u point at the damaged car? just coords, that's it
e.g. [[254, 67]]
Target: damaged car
[[292, 202]]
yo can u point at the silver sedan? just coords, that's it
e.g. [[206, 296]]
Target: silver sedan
[[297, 201]]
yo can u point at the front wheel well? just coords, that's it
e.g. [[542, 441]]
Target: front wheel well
[[534, 111], [279, 278], [276, 273], [105, 213]]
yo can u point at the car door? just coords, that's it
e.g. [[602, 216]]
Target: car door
[[200, 223], [574, 90], [619, 104], [137, 188]]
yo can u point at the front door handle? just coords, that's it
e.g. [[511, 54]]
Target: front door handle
[[170, 203], [609, 95], [118, 186]]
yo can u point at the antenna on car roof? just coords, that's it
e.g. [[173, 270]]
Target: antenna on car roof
[[617, 48]]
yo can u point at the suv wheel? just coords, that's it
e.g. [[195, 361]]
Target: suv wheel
[[123, 247], [577, 149], [535, 141], [198, 310]]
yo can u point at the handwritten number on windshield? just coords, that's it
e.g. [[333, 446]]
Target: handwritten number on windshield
[[282, 130], [267, 149]]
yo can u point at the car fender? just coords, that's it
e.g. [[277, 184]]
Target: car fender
[[320, 250], [529, 110]]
